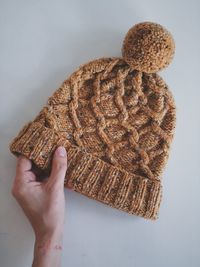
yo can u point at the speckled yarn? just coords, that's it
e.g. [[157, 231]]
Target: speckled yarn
[[116, 118]]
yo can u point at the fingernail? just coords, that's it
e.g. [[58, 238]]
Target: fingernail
[[61, 152]]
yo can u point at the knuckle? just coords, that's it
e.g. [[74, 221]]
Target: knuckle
[[60, 165], [17, 191], [56, 189]]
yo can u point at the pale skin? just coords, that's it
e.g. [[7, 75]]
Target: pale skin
[[44, 205]]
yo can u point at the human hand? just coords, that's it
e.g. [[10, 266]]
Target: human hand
[[43, 203]]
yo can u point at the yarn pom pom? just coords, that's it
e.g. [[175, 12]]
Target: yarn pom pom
[[148, 47]]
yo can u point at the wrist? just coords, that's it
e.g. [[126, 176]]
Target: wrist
[[50, 241], [48, 232], [54, 234], [48, 248]]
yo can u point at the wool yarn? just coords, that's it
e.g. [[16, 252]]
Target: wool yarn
[[116, 118]]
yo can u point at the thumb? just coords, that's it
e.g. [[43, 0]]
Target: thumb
[[59, 166]]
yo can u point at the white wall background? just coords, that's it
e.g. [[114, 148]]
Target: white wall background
[[41, 43]]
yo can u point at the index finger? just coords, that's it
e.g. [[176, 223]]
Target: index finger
[[23, 165]]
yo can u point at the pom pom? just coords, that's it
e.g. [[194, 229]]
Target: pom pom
[[148, 47]]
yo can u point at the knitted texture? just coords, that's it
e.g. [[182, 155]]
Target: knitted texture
[[148, 47], [117, 124]]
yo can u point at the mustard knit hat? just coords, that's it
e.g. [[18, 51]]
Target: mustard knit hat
[[116, 119]]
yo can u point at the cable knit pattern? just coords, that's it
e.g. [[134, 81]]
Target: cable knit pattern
[[117, 124]]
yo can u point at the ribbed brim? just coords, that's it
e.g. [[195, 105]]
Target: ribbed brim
[[90, 175]]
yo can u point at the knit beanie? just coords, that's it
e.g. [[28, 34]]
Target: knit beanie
[[116, 119]]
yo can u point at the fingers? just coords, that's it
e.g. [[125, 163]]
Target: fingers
[[23, 175], [59, 167], [23, 165], [23, 171]]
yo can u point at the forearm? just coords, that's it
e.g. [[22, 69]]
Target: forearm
[[43, 202], [47, 250]]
